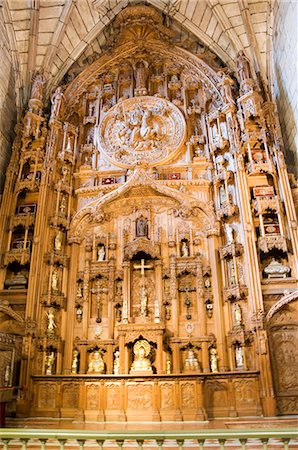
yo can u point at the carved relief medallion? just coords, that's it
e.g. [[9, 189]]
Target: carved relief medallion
[[142, 129]]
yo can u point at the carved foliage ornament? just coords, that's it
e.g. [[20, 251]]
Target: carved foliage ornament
[[142, 129]]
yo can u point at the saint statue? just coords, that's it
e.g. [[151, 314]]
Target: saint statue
[[101, 253], [213, 360], [75, 361], [51, 322], [144, 300], [54, 281], [62, 206], [243, 67], [96, 364], [37, 86], [56, 100], [168, 366], [225, 86], [50, 359], [7, 373], [141, 350], [229, 233], [141, 75], [68, 147], [237, 314], [156, 311], [184, 249], [142, 227], [222, 195], [239, 357], [232, 273], [58, 241], [116, 363]]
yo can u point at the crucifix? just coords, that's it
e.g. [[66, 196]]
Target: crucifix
[[187, 289], [98, 291], [143, 293]]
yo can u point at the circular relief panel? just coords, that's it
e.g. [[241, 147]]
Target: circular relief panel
[[142, 129]]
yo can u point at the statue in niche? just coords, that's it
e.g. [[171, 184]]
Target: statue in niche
[[141, 75], [96, 364], [50, 359], [231, 273], [141, 227], [79, 290], [54, 280], [58, 241], [56, 100], [141, 362], [213, 360], [7, 376], [62, 206], [144, 301], [222, 195], [101, 253], [51, 322], [68, 146], [229, 232], [191, 362], [237, 314], [184, 249], [168, 365], [156, 311], [116, 363], [75, 361], [239, 357]]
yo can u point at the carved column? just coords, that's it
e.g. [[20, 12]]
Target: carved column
[[126, 288], [176, 357], [111, 289], [122, 353], [158, 284], [200, 299], [213, 247], [110, 358], [174, 296], [71, 296], [159, 355], [205, 357]]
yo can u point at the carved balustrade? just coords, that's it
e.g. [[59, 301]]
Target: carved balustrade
[[260, 167], [24, 220], [227, 209], [22, 256]]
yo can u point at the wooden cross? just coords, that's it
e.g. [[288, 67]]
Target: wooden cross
[[187, 302], [142, 266]]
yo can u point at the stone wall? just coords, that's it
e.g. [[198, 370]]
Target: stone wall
[[7, 102], [285, 54]]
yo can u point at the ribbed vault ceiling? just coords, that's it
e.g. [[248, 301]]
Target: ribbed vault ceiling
[[61, 36]]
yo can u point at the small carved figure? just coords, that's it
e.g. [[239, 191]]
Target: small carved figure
[[51, 322], [232, 272], [168, 366], [141, 75], [37, 86], [75, 361], [142, 227], [68, 147], [184, 249], [156, 311], [54, 281], [101, 253], [79, 290], [116, 363], [141, 350], [222, 195], [237, 314], [213, 360], [96, 363], [239, 357], [225, 86], [62, 206], [243, 67], [7, 375], [144, 300], [50, 359], [58, 241], [56, 100], [229, 233]]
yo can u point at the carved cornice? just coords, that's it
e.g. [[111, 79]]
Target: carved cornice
[[141, 245], [270, 242], [236, 292], [21, 256], [230, 250], [261, 204]]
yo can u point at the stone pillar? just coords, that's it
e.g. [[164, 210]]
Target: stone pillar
[[213, 246], [70, 310], [200, 299], [111, 291], [110, 358]]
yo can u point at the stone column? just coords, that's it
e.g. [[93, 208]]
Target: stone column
[[110, 358], [205, 357], [213, 247], [122, 353], [176, 357], [200, 299], [159, 354], [158, 284], [111, 290], [70, 310]]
